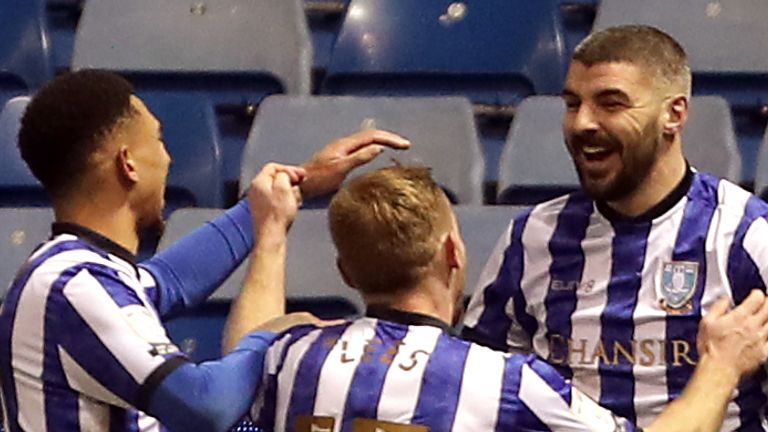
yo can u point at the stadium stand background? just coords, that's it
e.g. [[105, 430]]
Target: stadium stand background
[[209, 70]]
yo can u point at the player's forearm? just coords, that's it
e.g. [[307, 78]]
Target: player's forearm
[[214, 395], [263, 295], [702, 405], [193, 267]]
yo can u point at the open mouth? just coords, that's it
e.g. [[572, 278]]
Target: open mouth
[[596, 154]]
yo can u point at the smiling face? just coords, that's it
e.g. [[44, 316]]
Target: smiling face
[[613, 126]]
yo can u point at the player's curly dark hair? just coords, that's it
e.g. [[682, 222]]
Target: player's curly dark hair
[[66, 122]]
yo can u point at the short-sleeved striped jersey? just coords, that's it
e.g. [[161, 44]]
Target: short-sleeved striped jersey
[[408, 373], [615, 303], [79, 336]]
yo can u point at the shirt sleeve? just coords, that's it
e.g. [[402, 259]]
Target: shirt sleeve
[[212, 396], [496, 316], [113, 343], [192, 268], [543, 400], [757, 248]]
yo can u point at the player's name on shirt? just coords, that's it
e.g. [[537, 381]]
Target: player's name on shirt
[[373, 346], [642, 352]]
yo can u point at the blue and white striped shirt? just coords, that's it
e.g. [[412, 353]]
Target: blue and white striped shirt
[[405, 372], [615, 303], [79, 336]]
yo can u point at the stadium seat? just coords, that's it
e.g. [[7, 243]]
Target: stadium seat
[[290, 129], [324, 19], [194, 178], [191, 138], [535, 164], [21, 230], [725, 41], [481, 228], [25, 62], [493, 51], [312, 280], [761, 179], [62, 19], [231, 53], [18, 187]]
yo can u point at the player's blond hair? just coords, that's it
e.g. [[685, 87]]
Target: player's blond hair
[[386, 225]]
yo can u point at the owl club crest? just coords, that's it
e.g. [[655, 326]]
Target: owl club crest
[[678, 283]]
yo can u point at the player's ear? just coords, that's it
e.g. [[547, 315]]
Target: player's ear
[[344, 275], [126, 166], [676, 114], [452, 247]]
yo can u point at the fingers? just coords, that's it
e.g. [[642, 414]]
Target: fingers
[[367, 137], [362, 156], [719, 308], [762, 313], [752, 304], [295, 174], [329, 323]]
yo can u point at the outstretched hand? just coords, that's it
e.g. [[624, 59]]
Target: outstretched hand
[[328, 168], [737, 338]]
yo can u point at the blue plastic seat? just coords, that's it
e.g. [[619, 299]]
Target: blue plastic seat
[[191, 138], [18, 187], [536, 166], [193, 180], [312, 280], [481, 228], [725, 42], [492, 51], [230, 53], [25, 63], [21, 231], [290, 129]]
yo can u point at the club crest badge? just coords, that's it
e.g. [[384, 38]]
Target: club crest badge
[[678, 283]]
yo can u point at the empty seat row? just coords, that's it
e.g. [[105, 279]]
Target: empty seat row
[[495, 52], [535, 164]]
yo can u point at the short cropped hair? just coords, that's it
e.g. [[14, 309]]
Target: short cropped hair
[[66, 122], [386, 226], [638, 44]]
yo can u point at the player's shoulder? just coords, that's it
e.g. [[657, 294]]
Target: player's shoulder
[[729, 198], [574, 202]]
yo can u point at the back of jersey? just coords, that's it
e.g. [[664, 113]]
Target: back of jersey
[[372, 375]]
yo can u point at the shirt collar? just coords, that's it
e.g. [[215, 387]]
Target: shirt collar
[[659, 209], [94, 239], [387, 313]]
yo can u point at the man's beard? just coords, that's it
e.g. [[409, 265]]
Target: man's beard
[[636, 165], [151, 229]]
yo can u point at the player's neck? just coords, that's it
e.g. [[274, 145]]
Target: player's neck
[[662, 180], [430, 297], [116, 223]]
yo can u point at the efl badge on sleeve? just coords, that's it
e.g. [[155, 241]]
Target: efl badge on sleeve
[[678, 283]]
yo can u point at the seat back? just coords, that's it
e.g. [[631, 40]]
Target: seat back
[[311, 267], [21, 230], [535, 164], [18, 187], [492, 51], [290, 129]]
